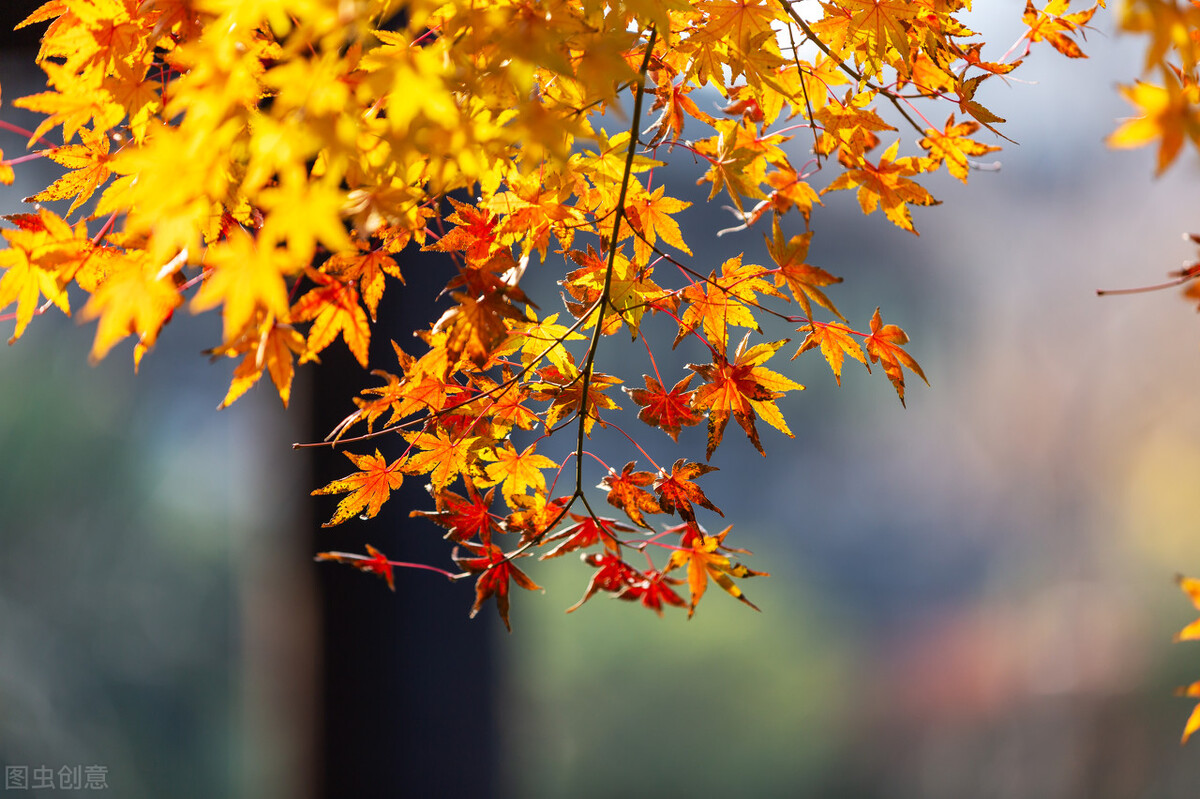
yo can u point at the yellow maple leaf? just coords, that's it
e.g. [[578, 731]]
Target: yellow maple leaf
[[721, 302], [886, 185], [133, 300], [43, 254], [1169, 115], [517, 471], [271, 346], [89, 164], [245, 279], [835, 343]]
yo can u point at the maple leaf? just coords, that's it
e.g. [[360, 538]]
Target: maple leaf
[[835, 343], [673, 99], [244, 279], [952, 146], [1191, 632], [702, 555], [677, 491], [653, 590], [71, 103], [377, 563], [475, 328], [303, 213], [877, 28], [1053, 26], [495, 569], [564, 389], [886, 184], [474, 234], [271, 346], [627, 491], [366, 489], [630, 290], [88, 162], [649, 215], [850, 126], [532, 209], [504, 407], [133, 300], [518, 471], [805, 280], [718, 303], [441, 454], [742, 389], [42, 254], [534, 515], [1168, 116], [545, 339], [586, 532], [789, 192], [368, 267], [463, 517], [612, 574], [333, 308], [966, 101], [884, 345], [666, 410]]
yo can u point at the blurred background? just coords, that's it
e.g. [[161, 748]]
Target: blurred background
[[970, 597]]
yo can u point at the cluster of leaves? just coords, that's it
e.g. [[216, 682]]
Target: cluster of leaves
[[1167, 99], [274, 160], [1191, 632]]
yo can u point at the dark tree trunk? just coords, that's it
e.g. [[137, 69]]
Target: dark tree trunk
[[407, 686]]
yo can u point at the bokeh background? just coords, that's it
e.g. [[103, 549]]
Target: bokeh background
[[970, 597]]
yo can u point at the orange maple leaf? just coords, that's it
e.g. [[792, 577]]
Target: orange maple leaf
[[1191, 632], [627, 491], [805, 280], [271, 346], [649, 214], [887, 185], [443, 455], [718, 303], [677, 491], [952, 146], [1053, 25], [368, 489], [742, 389], [89, 165], [702, 556], [835, 343], [884, 345], [333, 308], [368, 267]]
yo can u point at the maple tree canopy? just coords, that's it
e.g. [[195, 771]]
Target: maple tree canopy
[[275, 160]]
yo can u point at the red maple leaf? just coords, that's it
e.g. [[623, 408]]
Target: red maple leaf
[[495, 570]]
